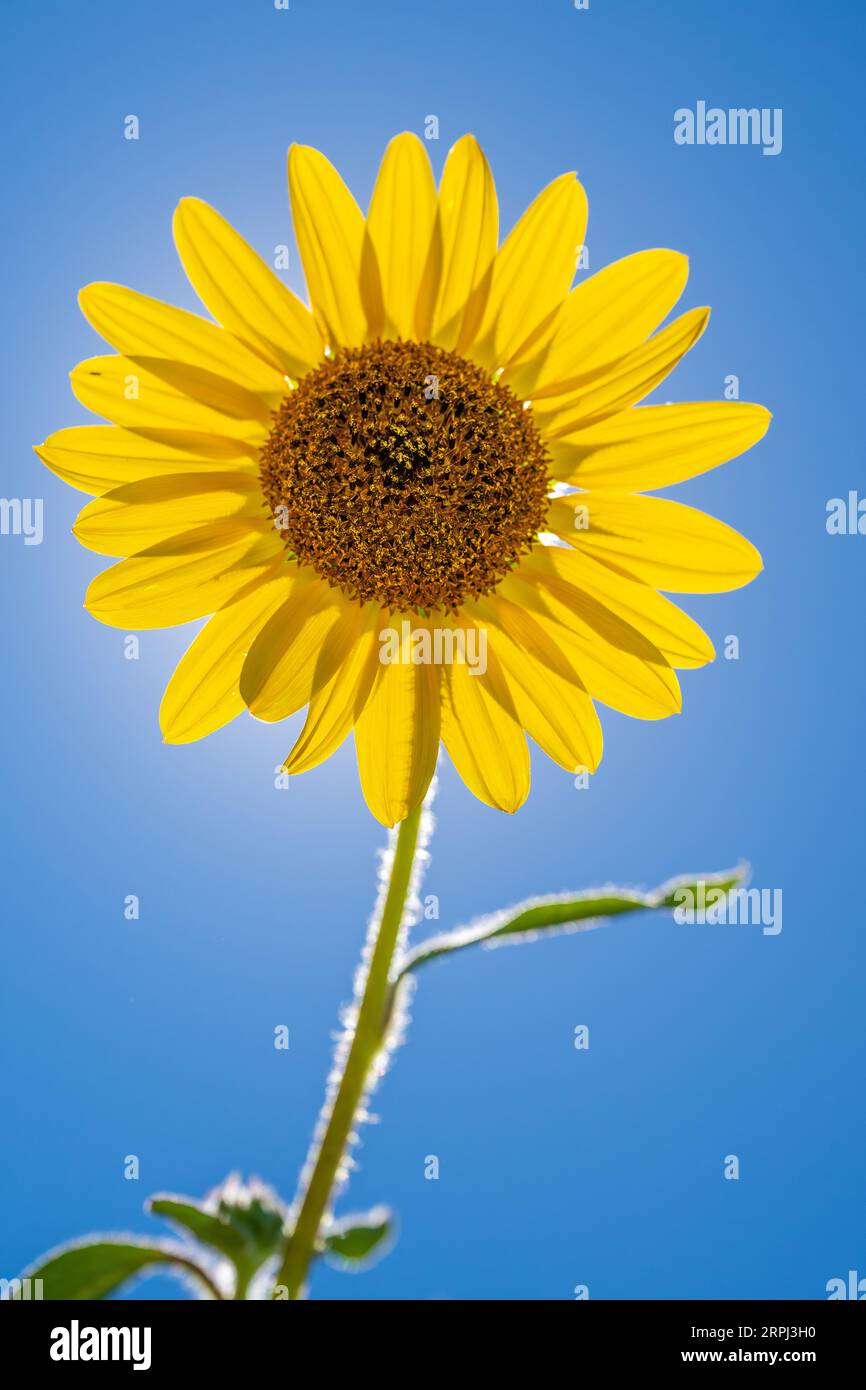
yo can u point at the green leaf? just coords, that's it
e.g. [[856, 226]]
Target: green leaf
[[95, 1268], [571, 911], [244, 1222], [259, 1219], [352, 1240], [206, 1226]]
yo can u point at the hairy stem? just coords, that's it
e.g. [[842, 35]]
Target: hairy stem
[[338, 1117]]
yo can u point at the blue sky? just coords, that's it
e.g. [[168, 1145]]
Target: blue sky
[[557, 1167]]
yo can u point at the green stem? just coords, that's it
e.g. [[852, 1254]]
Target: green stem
[[369, 1036]]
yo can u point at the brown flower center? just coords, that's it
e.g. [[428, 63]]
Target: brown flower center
[[400, 472]]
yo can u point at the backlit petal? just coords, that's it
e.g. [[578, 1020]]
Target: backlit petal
[[140, 326], [468, 228], [532, 273], [204, 692], [397, 735], [607, 316], [336, 706], [339, 261], [616, 663], [655, 446], [138, 515], [400, 222], [158, 590], [622, 383], [299, 648], [98, 458], [668, 545], [150, 393], [678, 637], [482, 733], [549, 700], [243, 293]]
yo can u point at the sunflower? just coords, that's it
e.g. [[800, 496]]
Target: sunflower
[[445, 444]]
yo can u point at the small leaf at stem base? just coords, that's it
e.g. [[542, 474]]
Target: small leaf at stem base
[[352, 1241]]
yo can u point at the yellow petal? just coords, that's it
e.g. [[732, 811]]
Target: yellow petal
[[98, 458], [608, 315], [139, 515], [621, 384], [678, 637], [616, 663], [150, 393], [482, 733], [339, 261], [154, 590], [657, 445], [204, 692], [549, 700], [242, 292], [400, 222], [335, 707], [397, 735], [532, 273], [666, 544], [467, 230], [299, 648], [140, 326]]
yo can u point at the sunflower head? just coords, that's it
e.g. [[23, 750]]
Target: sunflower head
[[402, 474], [443, 452]]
